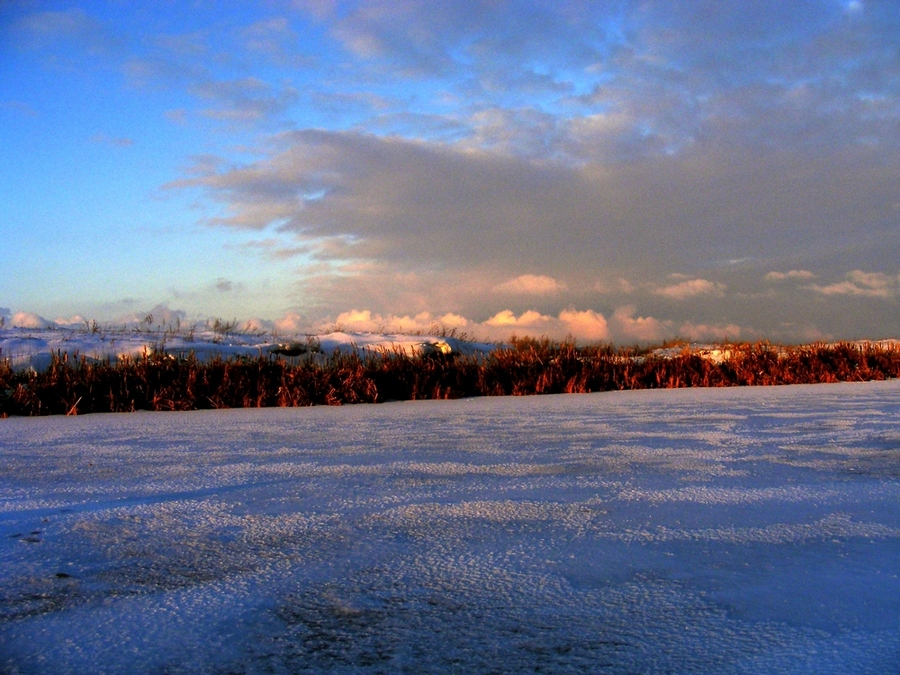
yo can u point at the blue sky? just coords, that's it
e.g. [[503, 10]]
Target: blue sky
[[627, 171]]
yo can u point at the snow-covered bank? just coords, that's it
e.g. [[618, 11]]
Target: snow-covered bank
[[717, 530], [35, 348]]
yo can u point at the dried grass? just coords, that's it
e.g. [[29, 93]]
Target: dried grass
[[72, 385]]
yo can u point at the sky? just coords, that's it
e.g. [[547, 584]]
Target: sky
[[625, 171]]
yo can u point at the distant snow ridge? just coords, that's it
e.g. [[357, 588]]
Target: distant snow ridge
[[33, 342]]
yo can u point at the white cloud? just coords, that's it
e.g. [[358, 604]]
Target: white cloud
[[704, 332], [507, 318], [804, 275], [692, 288], [71, 321], [292, 323], [642, 328], [585, 325], [531, 284], [368, 321], [859, 283]]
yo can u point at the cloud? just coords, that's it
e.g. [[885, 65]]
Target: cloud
[[275, 39], [74, 321], [531, 284], [507, 319], [245, 100], [414, 201], [55, 29], [367, 321], [292, 323], [19, 107], [704, 332], [692, 288], [320, 9], [618, 286], [176, 116], [859, 283], [627, 327], [401, 226], [116, 142], [585, 325], [804, 275]]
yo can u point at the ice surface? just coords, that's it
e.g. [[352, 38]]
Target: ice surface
[[718, 530]]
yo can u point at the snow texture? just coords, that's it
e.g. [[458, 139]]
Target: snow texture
[[677, 531]]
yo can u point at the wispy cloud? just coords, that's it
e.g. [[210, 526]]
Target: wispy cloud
[[245, 100], [48, 29], [19, 107]]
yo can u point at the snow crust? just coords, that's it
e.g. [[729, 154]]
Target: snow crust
[[747, 530]]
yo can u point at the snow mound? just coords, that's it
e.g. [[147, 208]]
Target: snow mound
[[30, 320]]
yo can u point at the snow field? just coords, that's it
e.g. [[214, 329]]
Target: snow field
[[721, 530]]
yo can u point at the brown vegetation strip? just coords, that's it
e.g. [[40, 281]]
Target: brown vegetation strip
[[160, 382]]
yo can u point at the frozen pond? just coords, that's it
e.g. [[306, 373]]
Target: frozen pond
[[728, 530]]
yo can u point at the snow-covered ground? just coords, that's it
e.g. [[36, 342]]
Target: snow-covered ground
[[750, 530], [34, 348]]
